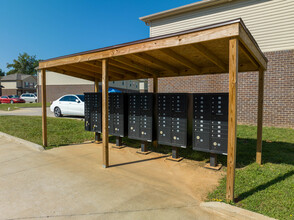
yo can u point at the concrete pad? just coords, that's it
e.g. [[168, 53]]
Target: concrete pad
[[22, 141], [233, 212], [70, 183]]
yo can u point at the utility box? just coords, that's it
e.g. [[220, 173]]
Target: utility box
[[172, 118], [210, 122], [117, 114], [140, 116], [93, 112]]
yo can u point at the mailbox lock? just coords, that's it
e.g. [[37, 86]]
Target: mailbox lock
[[198, 137], [214, 143]]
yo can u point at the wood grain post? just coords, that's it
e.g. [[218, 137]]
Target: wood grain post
[[96, 89], [232, 122], [155, 90], [260, 116], [44, 110], [105, 113]]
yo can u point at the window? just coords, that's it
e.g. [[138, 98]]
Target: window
[[68, 98], [27, 84], [122, 82], [4, 97], [81, 97]]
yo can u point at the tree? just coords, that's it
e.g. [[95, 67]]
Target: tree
[[2, 73], [24, 64]]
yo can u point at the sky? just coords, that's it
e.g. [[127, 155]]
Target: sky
[[51, 28]]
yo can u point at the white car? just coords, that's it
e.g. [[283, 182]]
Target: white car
[[29, 97], [68, 105]]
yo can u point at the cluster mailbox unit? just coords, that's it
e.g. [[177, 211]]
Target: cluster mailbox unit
[[117, 118], [132, 115], [210, 123], [140, 118], [93, 113], [172, 109]]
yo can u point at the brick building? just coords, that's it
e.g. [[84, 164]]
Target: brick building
[[271, 24]]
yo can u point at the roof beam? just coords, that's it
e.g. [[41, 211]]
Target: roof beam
[[150, 59], [201, 35], [123, 65], [209, 55], [179, 58], [96, 69], [252, 47], [136, 65], [70, 73], [115, 69], [248, 55]]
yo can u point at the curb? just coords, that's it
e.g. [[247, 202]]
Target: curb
[[232, 212], [23, 142]]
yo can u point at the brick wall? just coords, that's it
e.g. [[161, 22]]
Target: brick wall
[[278, 90]]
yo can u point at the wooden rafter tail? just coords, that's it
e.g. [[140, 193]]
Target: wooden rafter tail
[[181, 59]]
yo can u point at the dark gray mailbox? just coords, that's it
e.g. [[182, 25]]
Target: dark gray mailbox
[[172, 119], [93, 116], [210, 122], [140, 116]]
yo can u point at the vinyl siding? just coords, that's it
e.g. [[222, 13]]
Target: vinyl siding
[[271, 22]]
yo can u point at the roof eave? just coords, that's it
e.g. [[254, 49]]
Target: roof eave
[[182, 9]]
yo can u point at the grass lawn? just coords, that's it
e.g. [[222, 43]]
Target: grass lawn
[[268, 189], [15, 106]]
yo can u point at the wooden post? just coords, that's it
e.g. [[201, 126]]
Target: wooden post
[[96, 89], [44, 110], [232, 122], [260, 116], [105, 113]]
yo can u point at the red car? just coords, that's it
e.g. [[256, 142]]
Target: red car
[[11, 99]]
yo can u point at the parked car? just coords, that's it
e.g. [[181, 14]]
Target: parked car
[[68, 105], [11, 99], [29, 97]]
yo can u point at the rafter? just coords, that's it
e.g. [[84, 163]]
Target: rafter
[[209, 55], [70, 73], [136, 65], [248, 55], [150, 59], [129, 68], [77, 70], [179, 58]]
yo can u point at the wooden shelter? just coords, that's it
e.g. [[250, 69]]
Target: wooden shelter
[[226, 47]]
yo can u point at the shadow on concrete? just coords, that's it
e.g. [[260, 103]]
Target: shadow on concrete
[[138, 161]]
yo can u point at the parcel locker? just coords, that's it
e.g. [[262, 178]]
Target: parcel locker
[[172, 119], [93, 116], [210, 122], [117, 114], [140, 116]]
